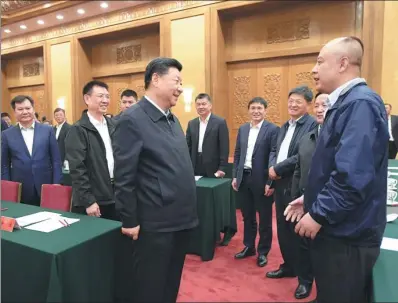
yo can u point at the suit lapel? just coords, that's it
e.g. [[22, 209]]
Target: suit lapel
[[18, 130], [245, 133], [260, 136], [36, 134], [196, 126], [209, 126]]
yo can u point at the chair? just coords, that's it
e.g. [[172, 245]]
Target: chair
[[11, 191], [57, 197]]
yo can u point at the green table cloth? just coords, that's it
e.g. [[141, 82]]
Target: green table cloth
[[71, 264], [216, 212]]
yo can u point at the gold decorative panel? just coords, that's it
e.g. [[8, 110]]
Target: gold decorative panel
[[31, 70], [305, 78], [272, 94], [128, 54], [241, 97], [288, 31]]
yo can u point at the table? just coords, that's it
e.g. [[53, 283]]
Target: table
[[71, 264], [216, 212]]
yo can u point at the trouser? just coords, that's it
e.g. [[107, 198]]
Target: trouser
[[158, 259], [343, 272], [252, 200], [304, 266], [392, 150]]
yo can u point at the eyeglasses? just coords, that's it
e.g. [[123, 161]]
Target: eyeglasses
[[103, 96]]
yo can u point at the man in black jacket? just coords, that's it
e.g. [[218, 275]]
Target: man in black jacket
[[282, 163], [393, 132], [61, 130], [155, 189], [208, 140], [89, 153]]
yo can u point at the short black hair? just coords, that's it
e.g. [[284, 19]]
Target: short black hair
[[5, 115], [161, 67], [203, 96], [257, 100], [388, 105], [20, 99], [88, 88], [129, 93], [304, 91], [58, 109]]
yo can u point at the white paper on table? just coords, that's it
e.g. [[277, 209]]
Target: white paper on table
[[51, 224], [37, 217], [197, 178], [389, 244], [392, 217], [392, 167]]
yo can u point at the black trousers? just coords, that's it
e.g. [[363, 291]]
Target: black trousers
[[158, 259], [343, 272], [304, 266], [392, 150], [252, 200], [34, 199], [108, 211], [200, 169], [289, 242]]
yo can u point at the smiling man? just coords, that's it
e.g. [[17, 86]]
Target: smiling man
[[155, 187], [89, 152], [345, 197]]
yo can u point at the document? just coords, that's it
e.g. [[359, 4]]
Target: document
[[389, 244], [391, 217], [197, 178], [52, 224], [37, 217]]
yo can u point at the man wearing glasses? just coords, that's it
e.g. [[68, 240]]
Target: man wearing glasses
[[89, 152]]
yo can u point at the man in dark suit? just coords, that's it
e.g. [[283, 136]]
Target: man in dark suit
[[4, 125], [29, 152], [61, 130], [6, 118], [155, 187], [127, 99], [250, 179], [295, 209], [208, 140], [283, 160], [393, 132]]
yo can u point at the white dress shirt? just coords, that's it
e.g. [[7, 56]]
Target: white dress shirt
[[251, 142], [28, 136], [59, 127], [284, 149], [332, 98], [102, 128], [390, 129], [202, 131]]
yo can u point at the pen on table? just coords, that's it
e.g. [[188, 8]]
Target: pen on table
[[4, 209], [62, 222], [66, 222]]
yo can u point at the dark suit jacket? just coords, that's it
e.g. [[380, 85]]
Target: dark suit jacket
[[43, 167], [306, 149], [285, 169], [265, 142], [215, 148], [154, 179], [61, 139], [4, 125], [394, 128]]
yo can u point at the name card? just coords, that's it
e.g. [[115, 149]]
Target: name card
[[9, 224]]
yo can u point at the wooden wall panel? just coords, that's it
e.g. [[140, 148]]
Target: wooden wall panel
[[288, 30], [25, 71], [5, 96], [42, 106]]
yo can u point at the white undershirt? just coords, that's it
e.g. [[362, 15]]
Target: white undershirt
[[251, 142], [202, 131], [284, 149], [28, 136], [59, 129], [390, 129]]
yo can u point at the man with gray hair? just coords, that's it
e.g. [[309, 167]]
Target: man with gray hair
[[345, 197]]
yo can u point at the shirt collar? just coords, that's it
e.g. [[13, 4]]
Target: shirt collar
[[206, 120], [157, 106], [338, 91], [257, 126], [293, 122], [60, 125], [95, 122], [31, 127]]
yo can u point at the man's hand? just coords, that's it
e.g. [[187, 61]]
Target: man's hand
[[272, 174], [268, 191], [219, 174], [131, 232], [234, 184], [93, 210], [295, 210], [307, 227]]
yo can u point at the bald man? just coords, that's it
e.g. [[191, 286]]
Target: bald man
[[345, 197]]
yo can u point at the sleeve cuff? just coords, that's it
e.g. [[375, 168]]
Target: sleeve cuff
[[129, 222], [318, 218]]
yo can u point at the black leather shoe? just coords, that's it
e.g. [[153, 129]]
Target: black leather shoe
[[278, 274], [302, 291], [227, 238], [262, 260], [246, 252]]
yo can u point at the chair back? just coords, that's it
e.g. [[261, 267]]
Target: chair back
[[57, 197], [11, 191]]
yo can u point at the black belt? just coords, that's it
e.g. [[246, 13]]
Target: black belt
[[247, 171]]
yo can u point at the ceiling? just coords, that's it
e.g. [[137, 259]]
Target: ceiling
[[21, 17]]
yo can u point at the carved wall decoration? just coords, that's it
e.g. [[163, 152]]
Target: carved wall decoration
[[31, 70], [272, 94], [8, 6], [128, 54], [305, 78], [241, 97], [117, 97], [288, 31], [156, 8]]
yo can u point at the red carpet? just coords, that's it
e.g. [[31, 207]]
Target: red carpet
[[225, 279]]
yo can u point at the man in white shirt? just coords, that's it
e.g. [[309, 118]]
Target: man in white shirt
[[61, 130], [89, 153], [393, 132]]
